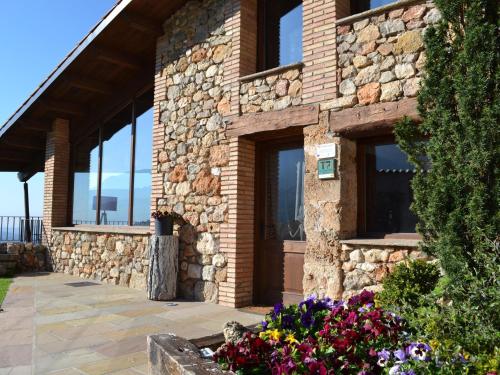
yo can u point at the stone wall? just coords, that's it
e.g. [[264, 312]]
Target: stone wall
[[191, 145], [22, 257], [276, 91], [330, 211], [366, 265], [381, 58], [117, 259]]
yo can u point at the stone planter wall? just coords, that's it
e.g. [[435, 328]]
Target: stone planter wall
[[365, 266], [118, 259], [380, 59], [271, 93], [190, 143], [22, 257]]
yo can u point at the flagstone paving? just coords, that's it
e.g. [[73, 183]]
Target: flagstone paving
[[49, 327]]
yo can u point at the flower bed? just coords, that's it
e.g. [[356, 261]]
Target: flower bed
[[321, 336]]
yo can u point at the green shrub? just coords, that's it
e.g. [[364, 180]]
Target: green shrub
[[408, 283]]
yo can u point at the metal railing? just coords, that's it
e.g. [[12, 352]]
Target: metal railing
[[13, 229]]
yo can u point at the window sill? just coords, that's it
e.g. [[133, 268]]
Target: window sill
[[376, 11], [386, 242], [269, 72], [106, 229]]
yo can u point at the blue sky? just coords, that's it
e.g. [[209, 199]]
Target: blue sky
[[35, 36]]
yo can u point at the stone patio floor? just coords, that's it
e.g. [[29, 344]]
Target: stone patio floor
[[49, 327]]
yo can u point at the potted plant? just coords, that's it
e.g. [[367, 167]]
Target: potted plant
[[164, 223]]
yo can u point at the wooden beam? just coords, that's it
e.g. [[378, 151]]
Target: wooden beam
[[116, 57], [373, 119], [15, 155], [89, 84], [253, 123], [143, 24], [16, 142], [35, 125], [62, 107]]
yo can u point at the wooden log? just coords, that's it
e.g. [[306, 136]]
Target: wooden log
[[374, 119], [163, 268]]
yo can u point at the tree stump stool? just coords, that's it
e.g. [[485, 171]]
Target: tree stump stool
[[163, 268]]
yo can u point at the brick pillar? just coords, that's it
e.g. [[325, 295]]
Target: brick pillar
[[319, 48], [241, 24], [56, 179], [237, 235]]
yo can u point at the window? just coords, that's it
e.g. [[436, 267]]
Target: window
[[358, 6], [86, 158], [385, 191], [280, 33], [112, 176]]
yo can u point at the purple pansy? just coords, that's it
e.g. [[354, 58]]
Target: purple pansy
[[419, 351], [383, 357], [400, 356]]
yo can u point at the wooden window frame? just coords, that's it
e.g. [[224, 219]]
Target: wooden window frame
[[264, 28], [130, 213], [363, 191]]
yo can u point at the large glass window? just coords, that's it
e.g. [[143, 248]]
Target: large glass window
[[85, 180], [112, 171], [280, 33], [142, 175], [388, 194], [115, 178]]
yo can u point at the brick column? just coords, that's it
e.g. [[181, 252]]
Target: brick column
[[319, 48], [237, 235], [56, 179], [241, 24]]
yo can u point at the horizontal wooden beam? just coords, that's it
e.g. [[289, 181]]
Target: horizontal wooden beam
[[143, 24], [89, 84], [372, 119], [25, 143], [35, 125], [62, 107], [253, 123], [116, 57]]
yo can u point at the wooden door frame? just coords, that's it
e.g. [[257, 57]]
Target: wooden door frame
[[262, 149]]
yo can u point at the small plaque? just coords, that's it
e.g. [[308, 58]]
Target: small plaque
[[327, 168], [326, 150]]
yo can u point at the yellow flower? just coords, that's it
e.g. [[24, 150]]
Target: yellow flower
[[263, 335], [290, 338], [274, 334], [466, 356], [434, 344]]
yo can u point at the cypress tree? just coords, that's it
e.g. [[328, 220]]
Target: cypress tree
[[455, 147]]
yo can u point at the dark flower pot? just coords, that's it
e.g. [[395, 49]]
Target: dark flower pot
[[164, 226]]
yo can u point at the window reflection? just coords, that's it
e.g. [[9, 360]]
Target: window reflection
[[280, 33], [291, 37], [285, 195], [85, 180], [142, 176], [388, 189], [115, 183]]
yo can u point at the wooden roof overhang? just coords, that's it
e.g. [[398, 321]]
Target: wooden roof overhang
[[96, 81]]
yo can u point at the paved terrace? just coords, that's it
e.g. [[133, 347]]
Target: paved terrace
[[49, 327]]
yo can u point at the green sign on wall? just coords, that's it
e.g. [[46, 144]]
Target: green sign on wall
[[327, 168]]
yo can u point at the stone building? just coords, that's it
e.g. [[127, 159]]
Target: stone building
[[267, 126]]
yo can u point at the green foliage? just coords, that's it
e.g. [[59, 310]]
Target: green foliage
[[4, 287], [456, 199], [407, 283]]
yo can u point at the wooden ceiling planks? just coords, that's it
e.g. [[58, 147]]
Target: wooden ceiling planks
[[94, 84]]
